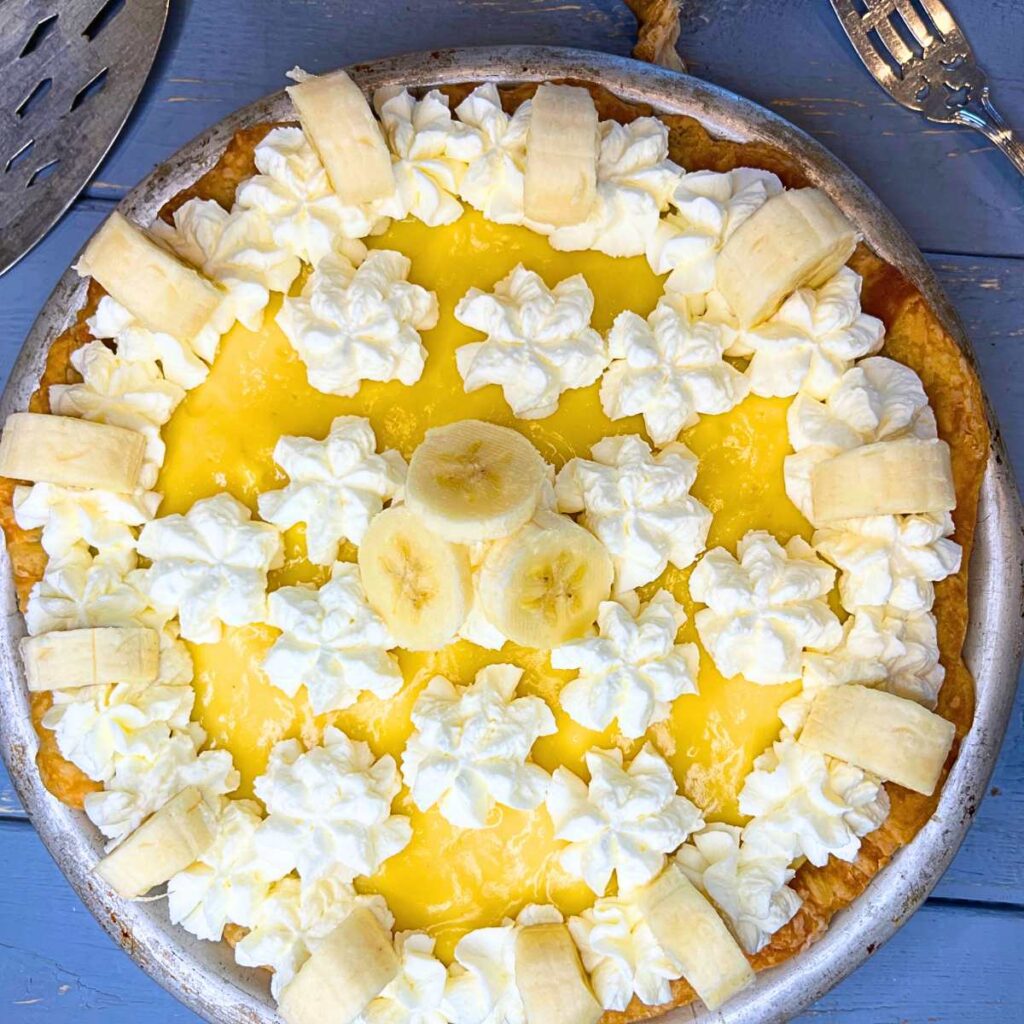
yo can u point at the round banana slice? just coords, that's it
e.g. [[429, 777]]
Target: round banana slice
[[418, 583], [542, 586], [472, 481]]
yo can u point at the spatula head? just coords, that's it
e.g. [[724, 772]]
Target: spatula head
[[70, 73]]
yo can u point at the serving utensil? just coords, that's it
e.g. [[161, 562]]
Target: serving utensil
[[920, 56], [70, 73]]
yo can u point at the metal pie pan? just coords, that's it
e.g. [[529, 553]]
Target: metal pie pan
[[203, 975]]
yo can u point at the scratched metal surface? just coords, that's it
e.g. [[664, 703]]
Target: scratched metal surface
[[959, 958]]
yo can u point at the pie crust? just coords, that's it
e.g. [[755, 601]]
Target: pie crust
[[914, 336]]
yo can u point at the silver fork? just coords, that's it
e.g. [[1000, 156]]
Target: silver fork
[[920, 56]]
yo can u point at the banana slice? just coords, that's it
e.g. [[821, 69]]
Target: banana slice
[[72, 452], [473, 481], [560, 184], [888, 478], [164, 844], [419, 583], [341, 127], [542, 586], [889, 736], [348, 969], [71, 658], [149, 281], [550, 978], [689, 927], [799, 237]]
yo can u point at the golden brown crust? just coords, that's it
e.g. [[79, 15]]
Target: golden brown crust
[[657, 32], [914, 336]]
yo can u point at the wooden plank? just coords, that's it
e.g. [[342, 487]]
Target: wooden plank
[[990, 865], [949, 963]]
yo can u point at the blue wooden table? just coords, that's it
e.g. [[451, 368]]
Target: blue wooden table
[[960, 958]]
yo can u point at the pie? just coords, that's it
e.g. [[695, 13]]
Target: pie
[[489, 572]]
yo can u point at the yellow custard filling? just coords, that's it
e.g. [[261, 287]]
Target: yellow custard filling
[[448, 881]]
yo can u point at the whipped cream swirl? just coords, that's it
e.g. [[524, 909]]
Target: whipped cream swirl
[[623, 822], [807, 805], [891, 562], [294, 919], [764, 608], [745, 880], [622, 955], [811, 341], [178, 359], [123, 393], [493, 181], [228, 883], [329, 810], [336, 486], [708, 207], [539, 340], [430, 153], [877, 400], [638, 505], [351, 325], [73, 519], [293, 198], [210, 566], [669, 370], [632, 671], [235, 249], [416, 994], [79, 589], [635, 181], [470, 747], [331, 640], [482, 980], [145, 780]]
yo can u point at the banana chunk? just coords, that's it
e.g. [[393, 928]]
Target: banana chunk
[[550, 977], [67, 659], [71, 452], [889, 736], [560, 184], [473, 481], [417, 582], [164, 844], [349, 968], [887, 478], [798, 238], [341, 128], [686, 924], [543, 585], [149, 281]]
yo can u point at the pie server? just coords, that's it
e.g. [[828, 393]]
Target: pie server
[[70, 73]]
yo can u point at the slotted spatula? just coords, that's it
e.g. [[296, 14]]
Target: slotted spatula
[[70, 73]]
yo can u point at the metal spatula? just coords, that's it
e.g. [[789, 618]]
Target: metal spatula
[[70, 73]]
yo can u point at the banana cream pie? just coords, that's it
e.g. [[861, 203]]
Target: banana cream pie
[[496, 556]]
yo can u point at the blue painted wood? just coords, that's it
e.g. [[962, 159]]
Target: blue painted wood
[[953, 961], [955, 964]]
